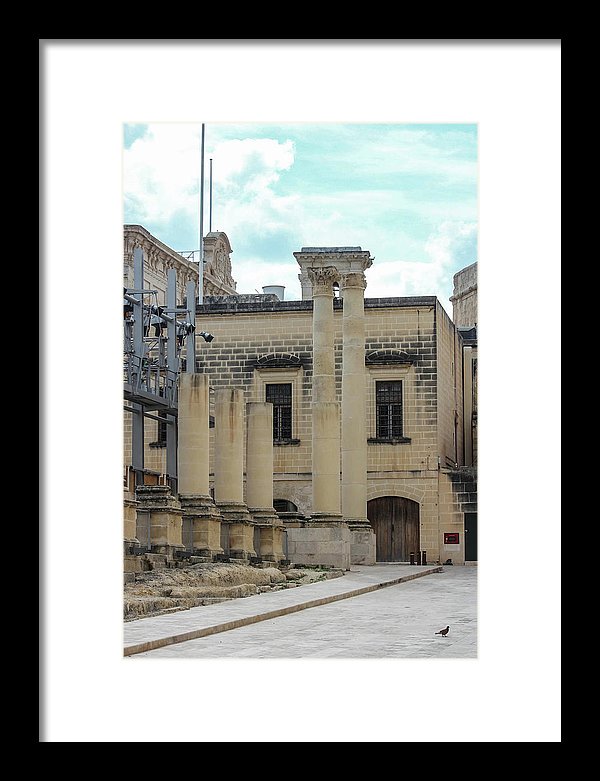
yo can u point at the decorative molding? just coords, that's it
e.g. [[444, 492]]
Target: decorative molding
[[463, 293], [217, 265], [355, 279], [322, 279], [278, 360], [384, 357]]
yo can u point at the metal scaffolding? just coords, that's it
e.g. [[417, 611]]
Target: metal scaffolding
[[155, 340]]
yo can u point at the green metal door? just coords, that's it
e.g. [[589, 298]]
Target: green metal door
[[470, 536]]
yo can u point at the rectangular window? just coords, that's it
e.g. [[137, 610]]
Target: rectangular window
[[389, 409], [162, 430], [280, 396]]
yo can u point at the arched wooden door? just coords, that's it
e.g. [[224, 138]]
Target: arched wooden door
[[395, 521]]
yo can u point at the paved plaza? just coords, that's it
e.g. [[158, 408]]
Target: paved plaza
[[393, 620]]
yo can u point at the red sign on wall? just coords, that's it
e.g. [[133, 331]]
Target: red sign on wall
[[451, 538]]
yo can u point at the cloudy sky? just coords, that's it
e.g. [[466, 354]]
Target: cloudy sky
[[407, 193]]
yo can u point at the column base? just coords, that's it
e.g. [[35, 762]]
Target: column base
[[232, 512], [237, 537], [205, 519], [166, 550], [165, 519], [264, 516], [130, 519], [130, 543], [271, 531], [321, 544], [326, 520], [362, 541]]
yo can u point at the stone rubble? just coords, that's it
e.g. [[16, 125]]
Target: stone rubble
[[168, 590]]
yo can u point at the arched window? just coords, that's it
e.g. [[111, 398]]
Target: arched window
[[284, 506]]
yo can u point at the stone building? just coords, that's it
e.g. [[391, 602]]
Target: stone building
[[464, 297], [158, 260], [365, 396], [464, 314]]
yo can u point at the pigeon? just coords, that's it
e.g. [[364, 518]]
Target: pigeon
[[443, 632]]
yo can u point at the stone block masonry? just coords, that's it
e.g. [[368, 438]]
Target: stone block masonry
[[400, 344]]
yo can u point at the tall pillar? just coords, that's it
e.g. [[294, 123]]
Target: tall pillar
[[354, 399], [354, 417], [237, 524], [332, 537], [193, 434], [325, 408], [199, 511], [259, 481]]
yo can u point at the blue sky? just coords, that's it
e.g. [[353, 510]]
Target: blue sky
[[406, 192]]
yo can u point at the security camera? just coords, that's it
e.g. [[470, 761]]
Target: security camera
[[206, 336]]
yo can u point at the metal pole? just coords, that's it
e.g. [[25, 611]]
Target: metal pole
[[137, 422], [201, 263], [171, 367], [138, 311], [148, 308], [210, 199], [190, 342]]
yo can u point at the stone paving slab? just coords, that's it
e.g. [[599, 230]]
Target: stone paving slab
[[147, 634], [387, 624]]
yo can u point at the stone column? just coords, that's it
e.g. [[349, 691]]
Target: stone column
[[354, 399], [305, 286], [259, 480], [325, 408], [354, 415], [199, 512], [229, 472], [327, 539]]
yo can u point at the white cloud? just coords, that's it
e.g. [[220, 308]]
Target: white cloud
[[452, 246], [161, 183], [161, 173], [251, 165], [253, 274]]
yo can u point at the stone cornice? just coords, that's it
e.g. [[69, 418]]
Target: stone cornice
[[326, 257], [463, 293], [345, 260]]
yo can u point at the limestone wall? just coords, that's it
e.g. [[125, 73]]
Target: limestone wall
[[243, 337], [464, 298], [155, 455], [449, 391], [413, 340]]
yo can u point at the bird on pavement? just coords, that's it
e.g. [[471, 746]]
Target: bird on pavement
[[443, 632]]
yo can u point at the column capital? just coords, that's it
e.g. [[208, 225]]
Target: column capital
[[322, 280], [356, 279]]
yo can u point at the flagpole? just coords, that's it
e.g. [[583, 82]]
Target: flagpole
[[210, 198], [201, 263]]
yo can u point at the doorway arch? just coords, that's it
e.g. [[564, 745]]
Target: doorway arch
[[395, 521]]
